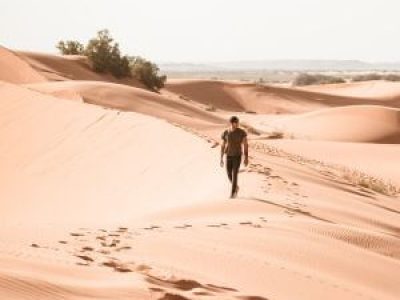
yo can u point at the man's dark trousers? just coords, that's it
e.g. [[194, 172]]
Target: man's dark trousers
[[232, 167]]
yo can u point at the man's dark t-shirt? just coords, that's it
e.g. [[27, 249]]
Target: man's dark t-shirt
[[234, 139]]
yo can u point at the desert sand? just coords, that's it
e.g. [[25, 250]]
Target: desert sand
[[110, 191]]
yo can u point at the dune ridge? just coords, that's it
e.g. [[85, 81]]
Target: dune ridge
[[361, 123], [16, 70]]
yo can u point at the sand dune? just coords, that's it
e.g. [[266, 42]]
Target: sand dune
[[372, 124], [128, 98], [15, 70], [246, 97], [375, 159], [63, 150], [150, 222], [109, 191], [377, 89]]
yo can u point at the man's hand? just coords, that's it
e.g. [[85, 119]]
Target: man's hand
[[246, 161], [221, 162]]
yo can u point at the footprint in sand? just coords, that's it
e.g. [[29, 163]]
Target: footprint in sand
[[117, 266], [123, 248], [256, 226], [169, 296], [103, 251], [102, 237], [152, 227], [246, 223], [203, 294], [187, 285], [142, 268], [85, 258], [217, 225], [76, 234], [83, 264], [114, 243], [158, 290], [114, 234], [251, 298], [184, 226], [84, 249]]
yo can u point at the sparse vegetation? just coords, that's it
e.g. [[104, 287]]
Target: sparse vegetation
[[369, 182], [348, 175], [211, 108], [70, 47], [376, 76], [310, 79], [105, 56], [147, 72], [276, 135]]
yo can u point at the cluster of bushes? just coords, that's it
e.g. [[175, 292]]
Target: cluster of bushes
[[105, 57], [310, 79], [376, 76]]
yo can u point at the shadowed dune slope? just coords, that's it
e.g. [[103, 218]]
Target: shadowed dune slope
[[368, 124], [128, 98]]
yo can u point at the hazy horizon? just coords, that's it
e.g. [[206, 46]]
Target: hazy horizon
[[209, 31]]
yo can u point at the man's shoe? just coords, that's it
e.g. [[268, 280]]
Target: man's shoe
[[236, 191]]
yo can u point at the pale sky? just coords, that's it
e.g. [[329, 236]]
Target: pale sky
[[212, 30]]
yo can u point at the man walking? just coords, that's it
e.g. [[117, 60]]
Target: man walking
[[232, 141]]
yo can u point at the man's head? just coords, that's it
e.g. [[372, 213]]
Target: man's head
[[234, 122]]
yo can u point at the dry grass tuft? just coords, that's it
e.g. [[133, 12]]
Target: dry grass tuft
[[349, 175]]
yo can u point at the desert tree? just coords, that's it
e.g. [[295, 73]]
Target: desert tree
[[70, 47], [147, 73]]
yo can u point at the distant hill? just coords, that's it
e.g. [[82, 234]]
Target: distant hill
[[284, 65]]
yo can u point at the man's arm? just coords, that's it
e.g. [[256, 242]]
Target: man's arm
[[246, 151], [223, 145]]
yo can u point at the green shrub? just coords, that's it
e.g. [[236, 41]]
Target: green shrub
[[147, 72], [70, 48], [367, 77], [309, 79], [376, 76], [105, 57]]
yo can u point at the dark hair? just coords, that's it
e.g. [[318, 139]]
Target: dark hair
[[234, 119]]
